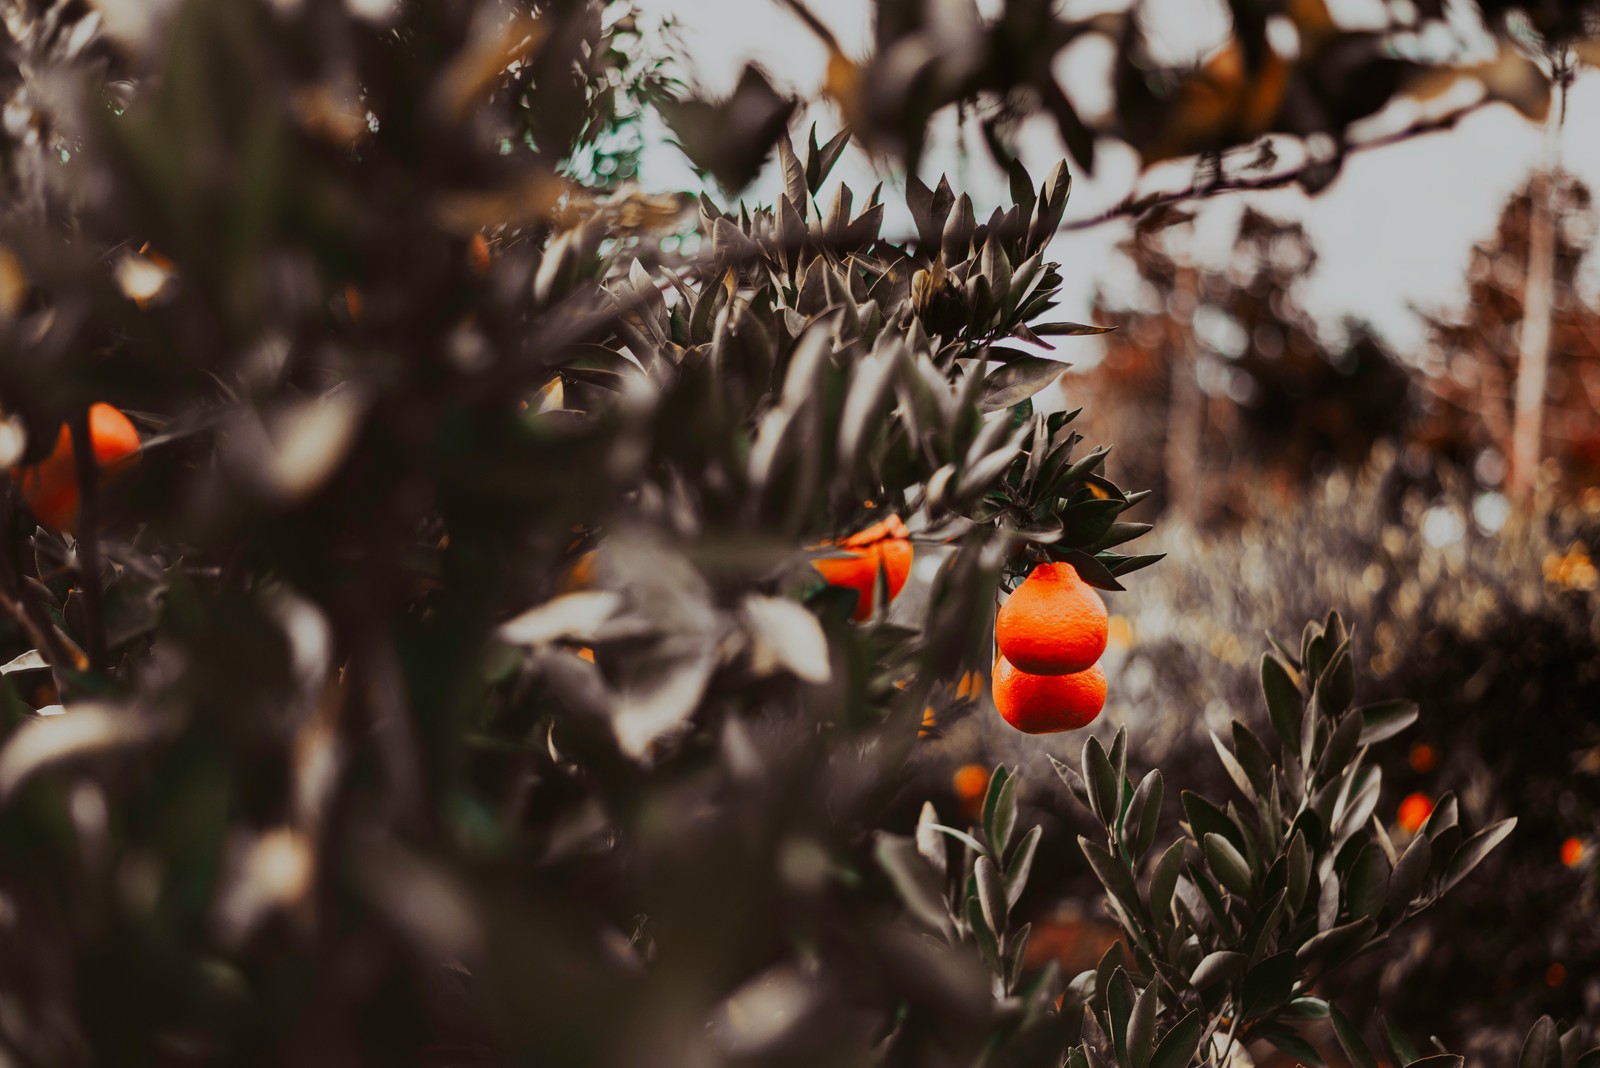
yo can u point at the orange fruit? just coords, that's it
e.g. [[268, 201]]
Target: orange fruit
[[1046, 704], [1423, 757], [970, 782], [883, 546], [51, 486], [1572, 852], [1054, 624], [1414, 812]]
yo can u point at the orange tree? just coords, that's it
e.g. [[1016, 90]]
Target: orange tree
[[450, 681]]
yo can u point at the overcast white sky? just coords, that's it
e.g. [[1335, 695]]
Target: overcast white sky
[[1396, 229]]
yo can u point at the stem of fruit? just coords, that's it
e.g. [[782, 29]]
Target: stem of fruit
[[88, 540]]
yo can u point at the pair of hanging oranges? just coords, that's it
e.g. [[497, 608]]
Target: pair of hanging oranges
[[1050, 633]]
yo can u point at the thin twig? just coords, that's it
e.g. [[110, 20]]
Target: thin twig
[[1134, 206]]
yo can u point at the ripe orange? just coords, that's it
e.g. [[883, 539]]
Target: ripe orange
[[1423, 757], [1414, 812], [51, 486], [883, 546], [970, 782], [1054, 624], [1572, 852], [1046, 704]]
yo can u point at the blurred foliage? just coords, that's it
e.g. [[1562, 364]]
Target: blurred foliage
[[1495, 635], [1217, 377], [1287, 69], [1467, 411]]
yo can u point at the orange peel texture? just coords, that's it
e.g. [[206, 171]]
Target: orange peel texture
[[1054, 624], [1048, 704]]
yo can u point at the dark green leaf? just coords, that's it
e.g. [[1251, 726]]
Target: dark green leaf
[[1385, 720], [1117, 880], [1335, 945], [1350, 1039], [1022, 864], [991, 894], [1234, 768], [1165, 879], [1409, 873], [1141, 1038], [1063, 329], [1542, 1047], [1226, 862], [1017, 381], [1000, 811], [1179, 1046], [1283, 701], [1216, 967], [1206, 818], [1474, 849], [1102, 781], [914, 878], [1367, 886], [1144, 815], [1253, 757], [988, 942], [1268, 983], [1439, 1060], [1292, 1044]]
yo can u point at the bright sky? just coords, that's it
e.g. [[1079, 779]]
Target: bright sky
[[1394, 231]]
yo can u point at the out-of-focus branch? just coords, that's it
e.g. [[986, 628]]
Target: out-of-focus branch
[[1135, 206]]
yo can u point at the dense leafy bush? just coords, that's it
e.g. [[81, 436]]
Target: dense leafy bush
[[1494, 635]]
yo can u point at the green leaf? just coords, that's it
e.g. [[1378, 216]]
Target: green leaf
[[1385, 720], [1141, 1038], [914, 879], [1226, 862], [1309, 1008], [1542, 1047], [1000, 810], [1178, 1048], [1350, 1039], [1253, 757], [1119, 1007], [1117, 880], [1144, 815], [991, 894], [1102, 781], [1299, 873], [1216, 967], [1072, 781], [1340, 747], [1022, 864], [1366, 887], [1439, 1060], [1336, 944], [1017, 381], [1409, 873], [988, 941], [1065, 329], [1268, 983], [1337, 687], [1234, 768], [1165, 880], [1283, 701], [961, 836], [1474, 849], [1293, 1045], [1206, 818]]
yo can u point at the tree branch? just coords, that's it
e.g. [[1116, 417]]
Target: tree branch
[[1135, 206]]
